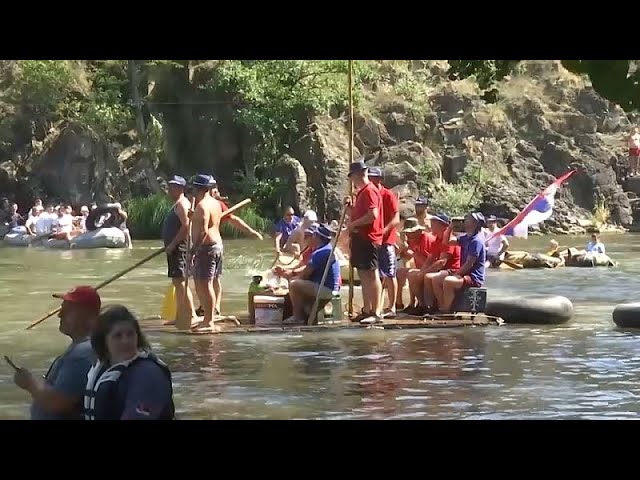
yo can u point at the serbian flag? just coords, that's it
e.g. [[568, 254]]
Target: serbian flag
[[538, 210]]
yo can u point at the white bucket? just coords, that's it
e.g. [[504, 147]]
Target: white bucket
[[268, 310]]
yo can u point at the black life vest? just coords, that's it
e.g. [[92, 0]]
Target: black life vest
[[101, 398]]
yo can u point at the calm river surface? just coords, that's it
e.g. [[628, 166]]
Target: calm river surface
[[585, 369]]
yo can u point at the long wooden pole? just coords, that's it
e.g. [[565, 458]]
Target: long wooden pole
[[136, 265], [350, 306]]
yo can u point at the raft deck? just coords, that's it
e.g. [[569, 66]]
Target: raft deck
[[229, 325]]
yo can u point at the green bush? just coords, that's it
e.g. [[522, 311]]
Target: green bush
[[147, 214], [455, 199]]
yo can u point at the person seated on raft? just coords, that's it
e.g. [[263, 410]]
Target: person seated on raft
[[30, 224], [284, 228], [15, 219], [304, 288], [84, 213], [419, 247], [307, 251], [63, 225], [422, 212], [295, 241], [497, 245], [443, 258], [128, 381], [595, 245], [553, 249], [472, 256]]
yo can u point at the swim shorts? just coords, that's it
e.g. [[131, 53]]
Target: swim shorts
[[364, 254], [207, 262], [387, 260], [177, 261]]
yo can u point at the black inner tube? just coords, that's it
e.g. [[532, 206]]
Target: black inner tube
[[96, 213]]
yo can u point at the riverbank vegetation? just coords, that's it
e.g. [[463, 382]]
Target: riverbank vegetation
[[146, 216], [166, 111]]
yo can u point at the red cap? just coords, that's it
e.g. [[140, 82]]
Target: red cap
[[84, 295]]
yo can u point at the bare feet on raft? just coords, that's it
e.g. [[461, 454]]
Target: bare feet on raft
[[194, 321]]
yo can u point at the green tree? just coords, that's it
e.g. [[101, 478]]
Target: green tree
[[615, 80]]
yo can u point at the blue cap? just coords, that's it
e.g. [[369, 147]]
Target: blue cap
[[311, 230], [375, 172], [177, 180], [442, 218], [357, 167], [324, 232], [200, 180], [492, 218], [422, 201]]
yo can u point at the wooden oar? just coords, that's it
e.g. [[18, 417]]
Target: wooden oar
[[136, 265], [330, 260]]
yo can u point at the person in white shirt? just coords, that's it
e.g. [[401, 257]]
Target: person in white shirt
[[30, 224], [595, 245], [496, 246], [84, 212], [63, 225], [44, 223], [296, 239]]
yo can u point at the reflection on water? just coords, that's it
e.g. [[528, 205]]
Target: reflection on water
[[584, 369]]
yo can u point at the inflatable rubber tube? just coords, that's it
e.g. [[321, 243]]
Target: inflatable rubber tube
[[18, 239], [101, 238], [96, 213], [532, 309], [627, 315]]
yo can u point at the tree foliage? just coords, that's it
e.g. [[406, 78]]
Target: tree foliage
[[616, 80]]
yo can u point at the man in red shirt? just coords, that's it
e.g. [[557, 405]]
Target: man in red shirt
[[420, 246], [444, 257], [366, 228], [387, 260]]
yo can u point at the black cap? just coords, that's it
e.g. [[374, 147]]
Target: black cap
[[358, 166], [177, 180], [200, 180]]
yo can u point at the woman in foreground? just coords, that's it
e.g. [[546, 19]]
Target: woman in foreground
[[128, 382]]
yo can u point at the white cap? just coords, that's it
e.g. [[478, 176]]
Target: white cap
[[311, 215]]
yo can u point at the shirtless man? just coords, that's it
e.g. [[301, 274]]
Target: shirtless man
[[238, 223], [207, 247], [174, 233]]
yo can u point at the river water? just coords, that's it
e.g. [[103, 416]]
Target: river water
[[585, 369]]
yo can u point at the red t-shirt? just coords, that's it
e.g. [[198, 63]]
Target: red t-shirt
[[422, 247], [223, 208], [438, 248], [389, 210], [368, 197]]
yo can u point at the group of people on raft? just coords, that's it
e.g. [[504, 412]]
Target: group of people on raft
[[59, 221], [435, 262]]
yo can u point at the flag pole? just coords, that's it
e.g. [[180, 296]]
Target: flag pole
[[350, 307]]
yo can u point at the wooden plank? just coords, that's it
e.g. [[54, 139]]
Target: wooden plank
[[461, 320]]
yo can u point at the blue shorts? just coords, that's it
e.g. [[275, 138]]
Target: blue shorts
[[387, 260]]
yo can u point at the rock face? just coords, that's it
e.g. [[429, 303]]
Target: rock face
[[73, 164], [546, 122]]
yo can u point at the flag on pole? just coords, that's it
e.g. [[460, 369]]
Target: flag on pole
[[538, 210]]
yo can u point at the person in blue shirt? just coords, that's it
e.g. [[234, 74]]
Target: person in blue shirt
[[128, 381], [285, 227], [306, 285], [595, 245], [473, 256], [58, 395]]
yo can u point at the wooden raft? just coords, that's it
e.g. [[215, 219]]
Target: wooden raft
[[229, 325]]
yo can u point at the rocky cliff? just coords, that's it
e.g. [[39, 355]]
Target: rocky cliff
[[546, 122], [445, 142]]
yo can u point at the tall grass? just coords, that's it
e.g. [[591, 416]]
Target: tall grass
[[601, 213], [147, 214]]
